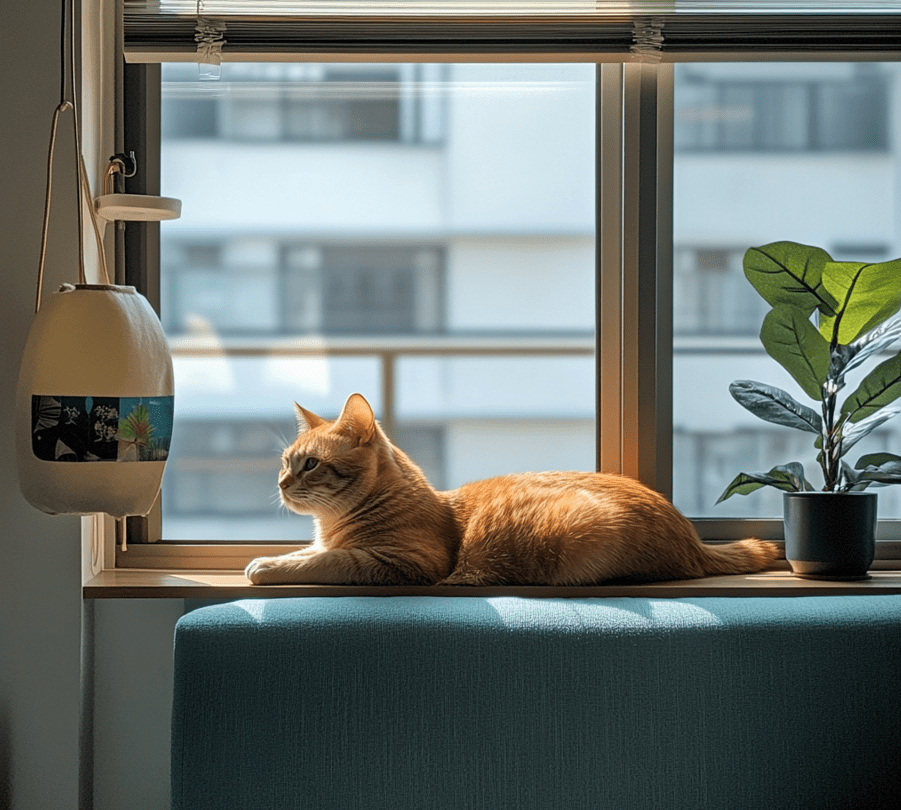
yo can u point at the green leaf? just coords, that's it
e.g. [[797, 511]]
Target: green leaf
[[136, 427], [880, 468], [795, 343], [787, 477], [851, 480], [775, 405], [880, 387], [852, 433], [877, 460], [866, 294], [878, 339], [790, 273], [889, 472]]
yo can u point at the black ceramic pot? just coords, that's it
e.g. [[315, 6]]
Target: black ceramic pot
[[830, 535]]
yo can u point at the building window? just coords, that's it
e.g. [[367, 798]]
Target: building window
[[710, 293], [305, 103], [781, 113], [223, 473], [260, 285]]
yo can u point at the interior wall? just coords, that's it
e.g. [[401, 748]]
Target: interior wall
[[40, 566], [121, 759], [132, 687]]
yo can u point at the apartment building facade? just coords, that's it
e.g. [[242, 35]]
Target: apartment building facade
[[425, 234]]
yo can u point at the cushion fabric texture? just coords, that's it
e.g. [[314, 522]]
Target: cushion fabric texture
[[430, 703]]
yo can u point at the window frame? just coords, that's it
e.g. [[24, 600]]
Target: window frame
[[633, 278]]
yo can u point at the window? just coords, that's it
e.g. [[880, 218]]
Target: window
[[426, 232], [449, 279], [784, 173]]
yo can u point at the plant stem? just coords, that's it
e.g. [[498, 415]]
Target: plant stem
[[830, 458]]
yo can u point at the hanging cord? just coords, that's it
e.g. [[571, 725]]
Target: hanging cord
[[81, 178], [63, 106], [88, 198]]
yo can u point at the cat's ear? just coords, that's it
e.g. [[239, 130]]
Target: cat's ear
[[357, 418], [306, 420]]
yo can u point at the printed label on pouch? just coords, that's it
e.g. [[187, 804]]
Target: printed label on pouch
[[101, 428]]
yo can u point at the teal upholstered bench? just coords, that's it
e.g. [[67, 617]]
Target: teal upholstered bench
[[429, 703]]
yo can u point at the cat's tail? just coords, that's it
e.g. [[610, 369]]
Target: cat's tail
[[741, 557]]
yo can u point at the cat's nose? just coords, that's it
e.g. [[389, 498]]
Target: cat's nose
[[284, 481]]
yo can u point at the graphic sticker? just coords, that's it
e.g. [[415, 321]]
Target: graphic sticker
[[101, 428]]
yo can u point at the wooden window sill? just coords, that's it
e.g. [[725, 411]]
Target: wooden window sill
[[136, 584]]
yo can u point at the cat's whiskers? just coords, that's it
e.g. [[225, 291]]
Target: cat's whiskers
[[281, 441]]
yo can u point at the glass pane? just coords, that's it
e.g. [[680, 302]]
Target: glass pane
[[354, 227], [764, 153]]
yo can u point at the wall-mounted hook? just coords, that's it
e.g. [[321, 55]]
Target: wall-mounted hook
[[134, 207], [128, 161], [120, 163]]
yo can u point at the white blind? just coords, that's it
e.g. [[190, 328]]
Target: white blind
[[652, 28]]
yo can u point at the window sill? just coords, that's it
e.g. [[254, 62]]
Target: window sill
[[234, 585]]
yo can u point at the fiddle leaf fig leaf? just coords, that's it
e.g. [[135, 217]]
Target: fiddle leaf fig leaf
[[795, 343], [850, 476], [879, 468], [853, 432], [852, 480], [865, 295], [877, 460], [787, 477], [775, 405], [876, 340], [790, 273], [880, 387]]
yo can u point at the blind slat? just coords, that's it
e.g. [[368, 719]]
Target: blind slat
[[237, 27]]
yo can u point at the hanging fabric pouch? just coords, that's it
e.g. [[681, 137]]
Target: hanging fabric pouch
[[94, 404]]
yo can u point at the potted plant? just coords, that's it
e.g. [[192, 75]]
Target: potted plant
[[828, 320]]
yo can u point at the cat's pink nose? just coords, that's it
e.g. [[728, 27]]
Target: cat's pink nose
[[285, 481]]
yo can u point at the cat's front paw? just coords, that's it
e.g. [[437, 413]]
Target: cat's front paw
[[261, 571]]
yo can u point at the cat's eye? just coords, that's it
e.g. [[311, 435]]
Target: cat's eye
[[310, 464]]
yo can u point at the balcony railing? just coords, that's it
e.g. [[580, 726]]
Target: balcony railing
[[386, 350]]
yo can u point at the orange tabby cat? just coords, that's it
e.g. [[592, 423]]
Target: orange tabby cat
[[378, 521]]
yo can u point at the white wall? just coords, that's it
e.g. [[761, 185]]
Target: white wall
[[283, 187], [40, 556], [533, 177], [797, 197], [525, 283], [518, 446], [132, 686]]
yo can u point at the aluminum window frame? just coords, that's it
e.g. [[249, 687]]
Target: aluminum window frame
[[633, 343]]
